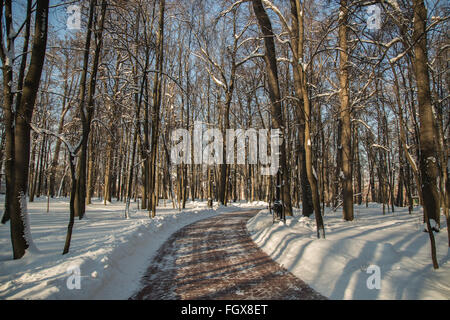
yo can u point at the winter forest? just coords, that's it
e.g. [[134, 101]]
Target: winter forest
[[309, 136]]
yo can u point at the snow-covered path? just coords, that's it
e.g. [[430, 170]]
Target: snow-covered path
[[109, 253], [215, 258]]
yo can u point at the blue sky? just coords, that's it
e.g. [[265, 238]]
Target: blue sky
[[57, 15]]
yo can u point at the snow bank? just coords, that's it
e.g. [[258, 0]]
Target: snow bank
[[110, 253], [340, 266]]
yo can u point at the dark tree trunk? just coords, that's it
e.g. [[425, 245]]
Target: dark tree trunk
[[72, 204], [298, 20], [358, 167], [428, 165], [87, 108], [8, 112], [297, 47], [275, 98], [157, 92], [345, 115], [399, 201], [21, 238], [90, 185]]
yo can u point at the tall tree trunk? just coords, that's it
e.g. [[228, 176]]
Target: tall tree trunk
[[443, 159], [20, 233], [401, 174], [33, 169], [71, 205], [145, 150], [109, 181], [403, 138], [157, 93], [297, 44], [87, 108], [345, 115], [55, 160], [428, 162], [65, 109], [2, 152], [79, 196], [8, 112], [90, 185], [298, 22], [41, 165], [282, 188], [358, 167], [337, 169]]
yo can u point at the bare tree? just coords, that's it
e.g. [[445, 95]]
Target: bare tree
[[345, 147], [19, 166], [282, 187]]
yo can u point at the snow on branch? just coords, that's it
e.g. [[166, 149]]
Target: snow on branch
[[398, 57], [72, 149], [244, 29], [275, 9], [282, 59], [246, 40], [278, 37], [326, 94], [254, 54], [234, 5], [217, 81], [394, 4], [103, 124], [367, 127], [380, 146], [391, 43], [206, 58], [385, 45]]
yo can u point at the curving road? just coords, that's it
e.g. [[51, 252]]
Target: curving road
[[214, 259]]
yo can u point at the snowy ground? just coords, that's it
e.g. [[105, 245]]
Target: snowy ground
[[111, 253], [338, 267]]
